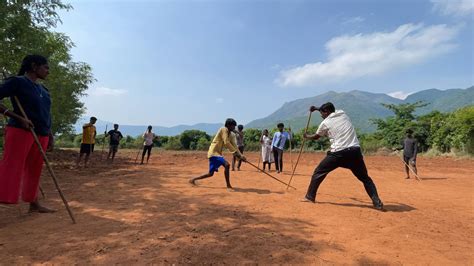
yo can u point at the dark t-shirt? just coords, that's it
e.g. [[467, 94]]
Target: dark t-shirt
[[409, 147], [35, 100], [115, 137]]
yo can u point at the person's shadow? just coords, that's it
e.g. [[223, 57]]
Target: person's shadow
[[388, 207]]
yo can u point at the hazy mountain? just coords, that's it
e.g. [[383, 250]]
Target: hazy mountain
[[209, 128], [362, 106]]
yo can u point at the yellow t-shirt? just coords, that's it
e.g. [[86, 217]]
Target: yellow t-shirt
[[88, 133], [221, 140]]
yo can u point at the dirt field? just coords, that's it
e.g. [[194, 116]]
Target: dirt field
[[129, 213]]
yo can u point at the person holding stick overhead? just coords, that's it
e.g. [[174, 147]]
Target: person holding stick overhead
[[148, 137], [88, 141], [115, 137], [22, 163], [267, 156], [239, 134], [223, 138], [345, 152], [278, 145]]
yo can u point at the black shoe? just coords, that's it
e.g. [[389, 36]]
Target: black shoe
[[379, 205]]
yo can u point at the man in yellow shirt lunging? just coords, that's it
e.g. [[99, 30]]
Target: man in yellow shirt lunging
[[223, 138], [88, 140]]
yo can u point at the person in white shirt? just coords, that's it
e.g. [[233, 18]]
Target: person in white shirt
[[267, 155], [345, 152], [149, 137]]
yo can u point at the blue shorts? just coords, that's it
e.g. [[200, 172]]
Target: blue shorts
[[215, 162]]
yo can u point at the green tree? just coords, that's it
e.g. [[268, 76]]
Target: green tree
[[190, 138], [25, 28], [393, 128], [173, 143], [203, 144]]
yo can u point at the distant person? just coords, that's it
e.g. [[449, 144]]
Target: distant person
[[115, 137], [22, 163], [410, 150], [267, 155], [223, 138], [278, 146], [345, 152], [240, 145], [88, 141], [148, 137]]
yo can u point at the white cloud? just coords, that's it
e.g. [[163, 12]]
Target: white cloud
[[454, 7], [399, 94], [219, 100], [353, 20], [361, 55], [103, 91]]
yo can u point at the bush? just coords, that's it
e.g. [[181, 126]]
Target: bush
[[173, 143], [203, 144]]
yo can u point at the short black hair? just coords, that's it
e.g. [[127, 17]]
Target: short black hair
[[409, 131], [150, 127], [93, 118], [230, 122], [116, 125], [327, 107], [240, 127], [29, 60], [280, 125]]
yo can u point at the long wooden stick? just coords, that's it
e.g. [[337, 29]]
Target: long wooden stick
[[301, 149], [42, 192], [48, 165], [103, 144], [413, 171], [270, 175], [260, 150], [291, 148], [138, 152]]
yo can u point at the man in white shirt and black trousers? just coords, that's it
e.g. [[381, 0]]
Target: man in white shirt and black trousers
[[345, 152]]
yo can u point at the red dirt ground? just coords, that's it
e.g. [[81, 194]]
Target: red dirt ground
[[129, 213]]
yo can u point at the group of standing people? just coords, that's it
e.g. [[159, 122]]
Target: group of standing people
[[89, 133], [273, 148], [22, 162]]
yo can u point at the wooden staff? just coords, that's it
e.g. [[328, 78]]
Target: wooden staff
[[301, 149], [48, 165], [260, 150], [413, 171], [103, 144], [288, 185], [138, 152], [291, 138]]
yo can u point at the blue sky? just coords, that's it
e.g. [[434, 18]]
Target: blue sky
[[185, 62]]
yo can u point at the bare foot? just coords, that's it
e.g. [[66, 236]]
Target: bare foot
[[192, 182], [305, 199]]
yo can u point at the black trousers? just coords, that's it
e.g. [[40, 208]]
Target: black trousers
[[350, 158], [278, 156]]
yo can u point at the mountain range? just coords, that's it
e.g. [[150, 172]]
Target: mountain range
[[361, 107], [134, 131]]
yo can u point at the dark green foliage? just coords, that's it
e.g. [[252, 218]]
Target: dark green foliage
[[25, 28], [189, 139]]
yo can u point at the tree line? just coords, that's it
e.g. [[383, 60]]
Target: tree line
[[441, 132]]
